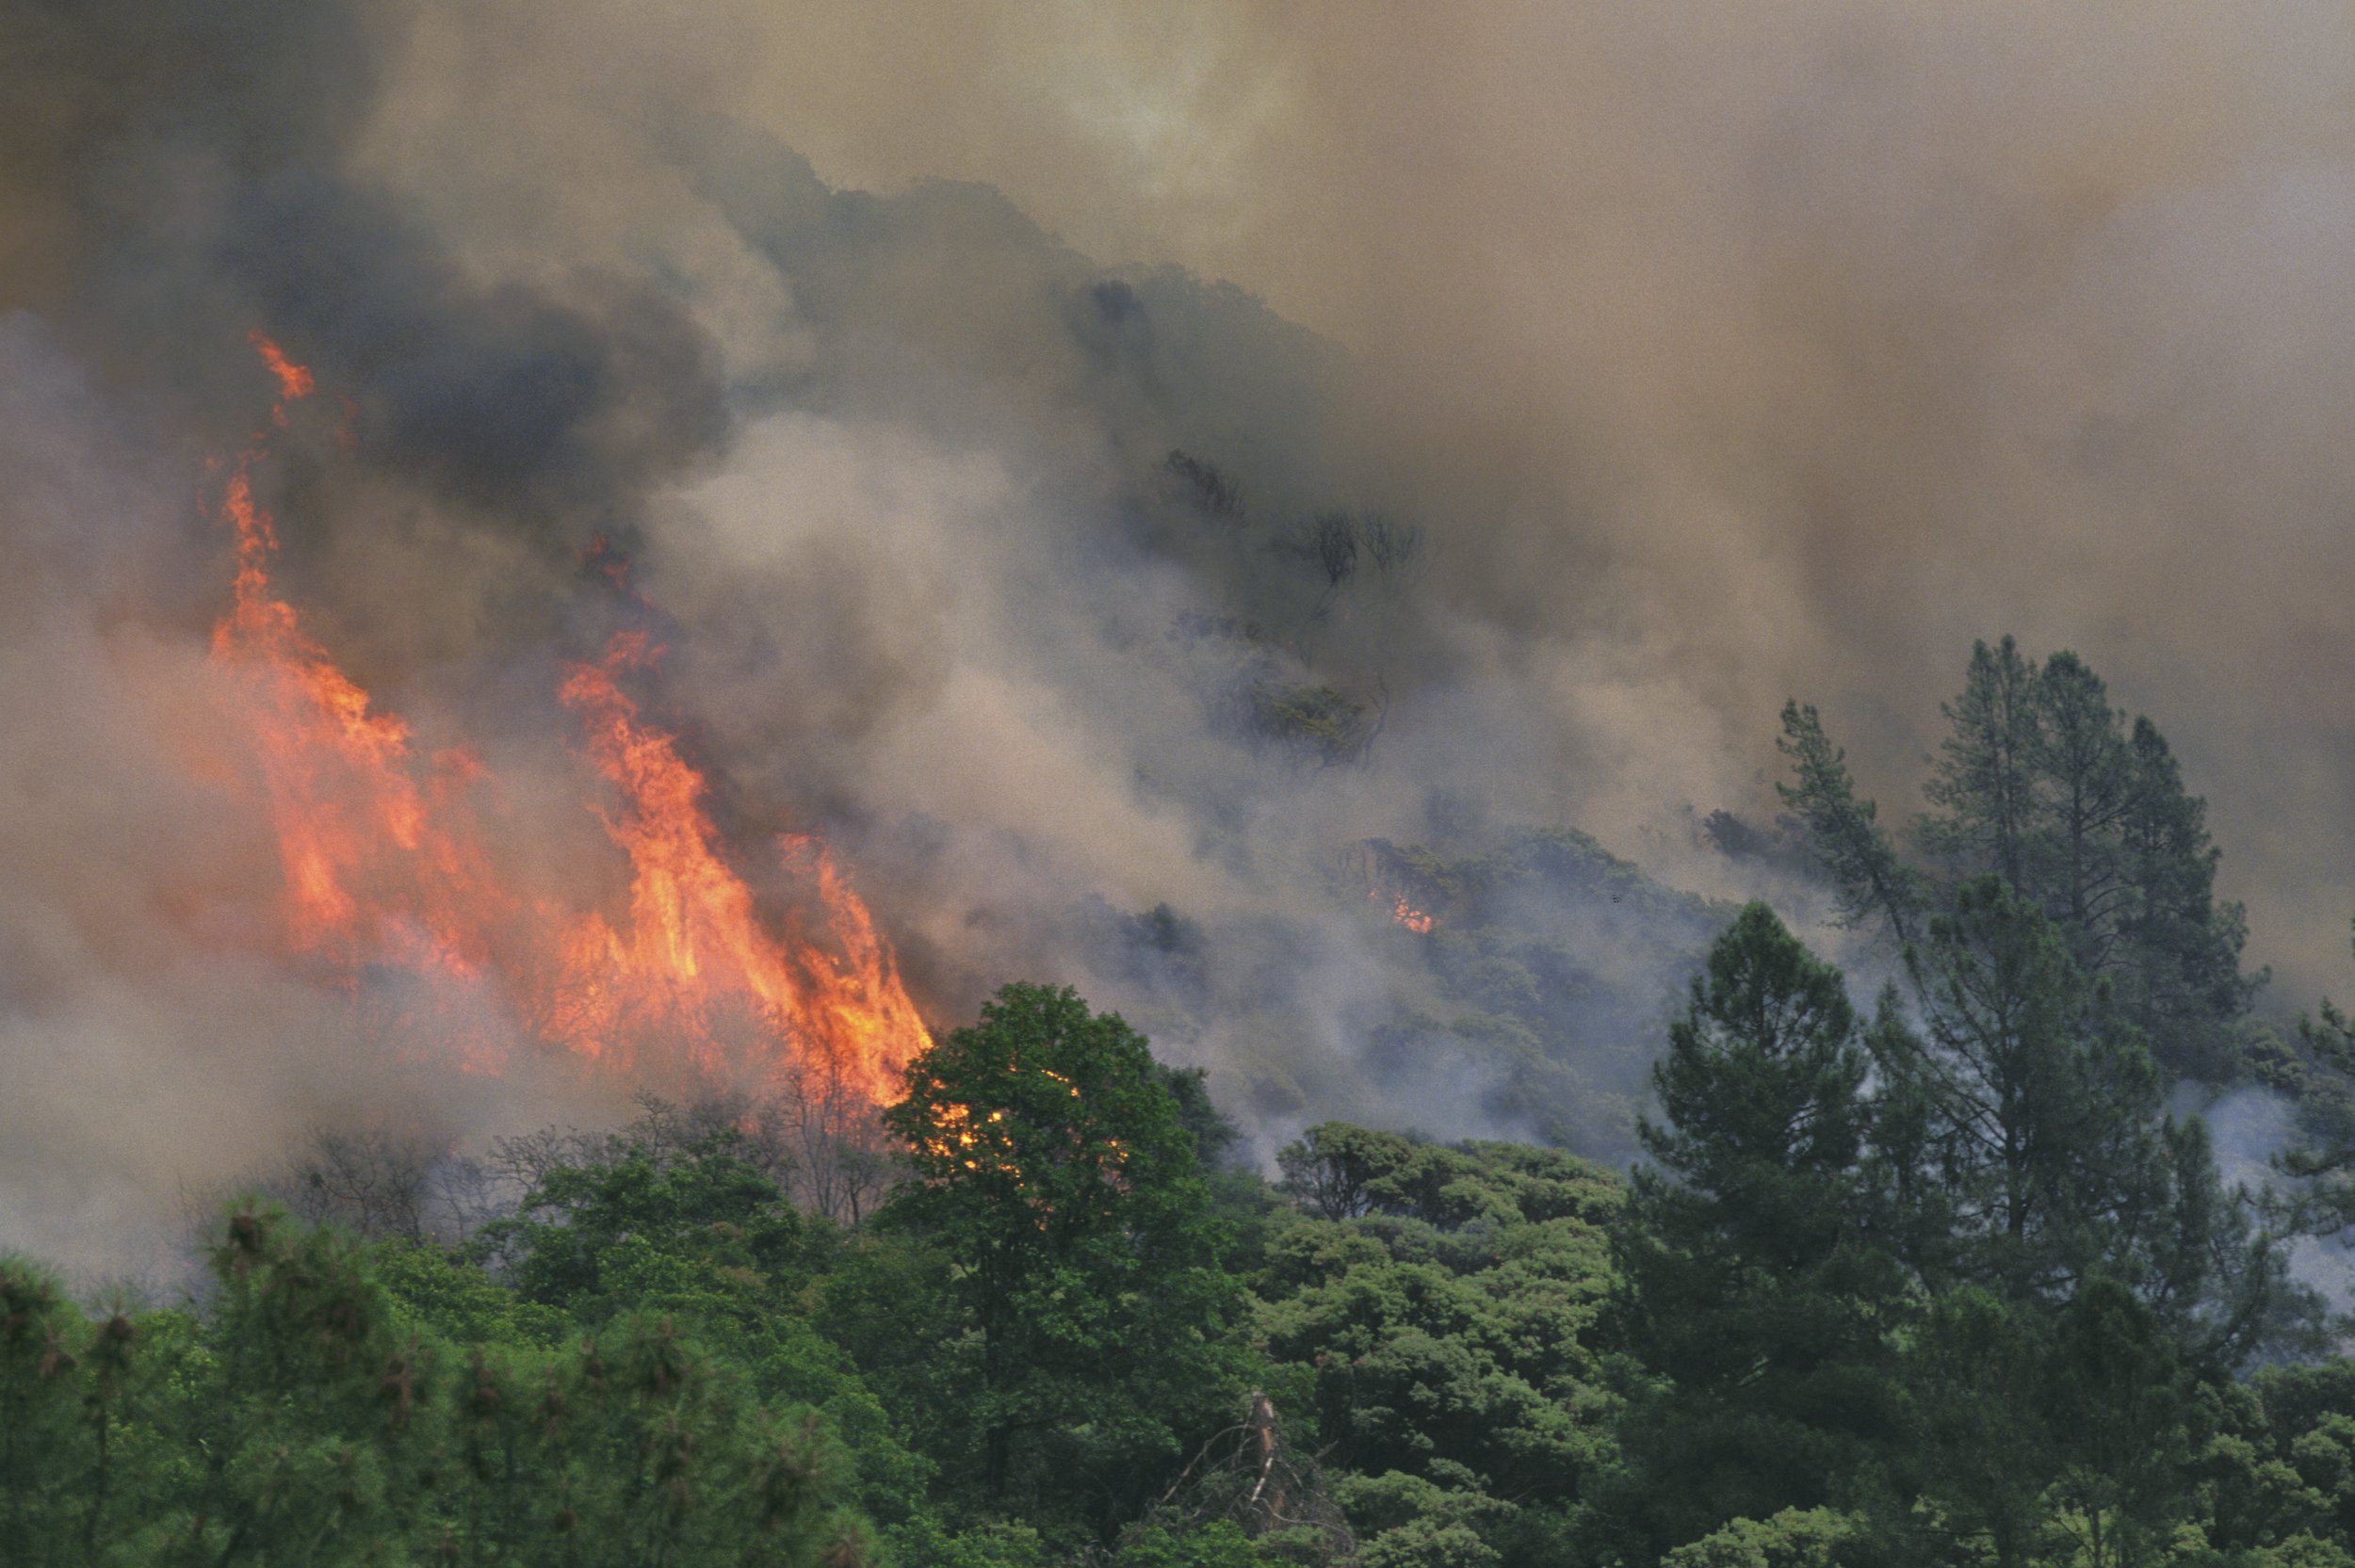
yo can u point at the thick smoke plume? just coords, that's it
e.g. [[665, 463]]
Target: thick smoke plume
[[1766, 351], [1589, 382]]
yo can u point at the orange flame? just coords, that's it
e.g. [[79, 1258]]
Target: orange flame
[[293, 379], [383, 866], [369, 871], [1404, 913], [693, 941]]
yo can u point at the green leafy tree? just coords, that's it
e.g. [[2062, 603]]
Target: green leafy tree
[[2275, 1477], [692, 1231], [1967, 1479], [303, 1417], [1795, 1538], [588, 1233], [1440, 1343], [1087, 1336], [2119, 1413], [1216, 1545]]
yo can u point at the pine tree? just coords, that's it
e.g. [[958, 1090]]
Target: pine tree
[[2044, 1127], [2043, 783], [1755, 1284], [2179, 950], [1873, 882], [1986, 772], [2077, 865]]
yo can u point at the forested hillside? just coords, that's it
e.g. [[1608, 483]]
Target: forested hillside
[[1931, 1280], [1826, 1326]]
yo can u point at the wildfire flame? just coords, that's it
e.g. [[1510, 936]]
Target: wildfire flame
[[293, 379], [986, 1143], [1404, 913], [384, 866]]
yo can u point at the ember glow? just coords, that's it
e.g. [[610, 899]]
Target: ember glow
[[383, 856], [1404, 913], [986, 1142]]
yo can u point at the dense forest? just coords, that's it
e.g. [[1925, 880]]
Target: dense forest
[[1946, 1276]]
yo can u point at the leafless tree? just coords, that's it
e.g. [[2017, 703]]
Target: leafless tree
[[525, 1159], [1394, 547], [1254, 1477], [813, 1133], [1333, 544], [374, 1182], [1206, 486], [844, 1161]]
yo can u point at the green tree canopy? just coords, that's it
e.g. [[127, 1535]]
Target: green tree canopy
[[1435, 1316], [2044, 1124], [297, 1419], [1756, 1286], [1055, 1173]]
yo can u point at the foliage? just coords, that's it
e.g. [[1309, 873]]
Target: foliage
[[1870, 879], [297, 1420], [1443, 1304], [1962, 1285], [2042, 782], [1795, 1538], [694, 1230], [1055, 1173], [2322, 1166], [2042, 1113], [1758, 1282], [1944, 1292]]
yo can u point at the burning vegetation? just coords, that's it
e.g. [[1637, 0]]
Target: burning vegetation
[[1406, 914], [386, 873]]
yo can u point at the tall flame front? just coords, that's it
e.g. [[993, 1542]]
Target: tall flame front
[[385, 871]]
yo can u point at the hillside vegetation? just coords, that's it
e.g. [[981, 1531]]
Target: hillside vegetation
[[1933, 1278]]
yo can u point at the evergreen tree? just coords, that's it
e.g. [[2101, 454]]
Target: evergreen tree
[[62, 1392], [1985, 778], [1872, 880], [2323, 1162], [1965, 1482], [2077, 861], [2046, 1103], [2178, 951], [2119, 1406], [1755, 1284], [2045, 1128], [2041, 782]]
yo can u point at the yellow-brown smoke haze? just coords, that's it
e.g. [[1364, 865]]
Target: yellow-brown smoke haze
[[1776, 350], [1725, 353], [1747, 351]]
